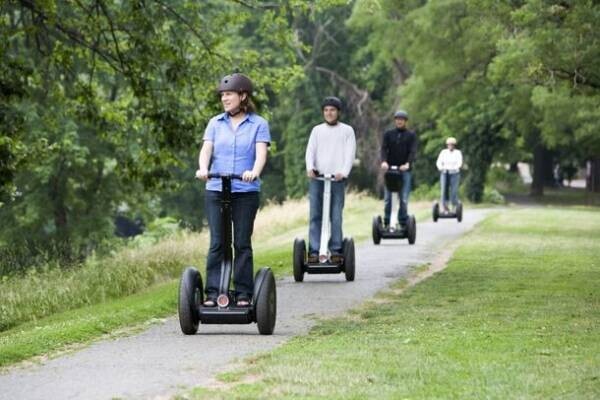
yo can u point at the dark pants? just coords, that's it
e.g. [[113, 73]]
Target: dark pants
[[315, 193], [402, 197], [243, 211]]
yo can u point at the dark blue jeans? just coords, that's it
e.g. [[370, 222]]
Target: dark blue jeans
[[315, 193], [243, 211], [402, 198], [452, 190]]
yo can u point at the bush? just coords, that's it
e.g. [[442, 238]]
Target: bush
[[491, 195], [505, 181]]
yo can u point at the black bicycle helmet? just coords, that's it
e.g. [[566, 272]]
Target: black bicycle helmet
[[235, 83], [332, 101]]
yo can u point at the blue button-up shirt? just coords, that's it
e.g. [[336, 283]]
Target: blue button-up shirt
[[235, 151]]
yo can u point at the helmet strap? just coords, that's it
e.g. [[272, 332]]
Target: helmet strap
[[234, 112]]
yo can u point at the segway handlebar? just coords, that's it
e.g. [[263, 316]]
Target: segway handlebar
[[393, 169], [323, 177], [231, 176]]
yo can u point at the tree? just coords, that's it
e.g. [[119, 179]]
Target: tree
[[103, 105]]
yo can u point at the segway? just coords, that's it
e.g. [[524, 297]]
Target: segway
[[325, 265], [393, 183], [263, 306], [457, 213]]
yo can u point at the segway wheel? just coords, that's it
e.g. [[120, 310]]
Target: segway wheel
[[265, 301], [375, 230], [349, 259], [436, 212], [412, 229], [299, 256], [190, 298], [459, 210]]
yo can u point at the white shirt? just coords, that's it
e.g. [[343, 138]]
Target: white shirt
[[449, 160], [331, 149]]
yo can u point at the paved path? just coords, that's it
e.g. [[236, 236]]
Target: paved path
[[162, 361]]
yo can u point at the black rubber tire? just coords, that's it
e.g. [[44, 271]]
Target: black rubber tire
[[375, 230], [190, 298], [412, 229], [266, 303], [299, 256], [436, 212], [349, 259], [459, 210]]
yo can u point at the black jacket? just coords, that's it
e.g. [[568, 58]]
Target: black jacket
[[399, 147]]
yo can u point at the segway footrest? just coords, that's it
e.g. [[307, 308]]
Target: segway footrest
[[323, 268], [228, 315]]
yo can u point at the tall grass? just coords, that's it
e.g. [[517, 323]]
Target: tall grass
[[45, 291]]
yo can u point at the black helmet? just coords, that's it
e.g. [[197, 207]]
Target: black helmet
[[401, 114], [332, 101], [235, 83]]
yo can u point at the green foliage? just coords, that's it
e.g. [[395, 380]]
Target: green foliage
[[503, 77], [104, 105]]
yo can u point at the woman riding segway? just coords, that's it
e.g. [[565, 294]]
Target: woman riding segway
[[235, 142], [231, 160]]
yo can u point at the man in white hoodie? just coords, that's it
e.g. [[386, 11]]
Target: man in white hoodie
[[331, 150], [448, 163]]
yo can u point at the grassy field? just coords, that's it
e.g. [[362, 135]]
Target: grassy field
[[48, 311], [515, 315]]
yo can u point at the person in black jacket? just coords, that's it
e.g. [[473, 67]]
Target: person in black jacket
[[399, 148]]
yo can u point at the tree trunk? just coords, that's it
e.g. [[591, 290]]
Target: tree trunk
[[592, 183], [542, 170], [548, 168]]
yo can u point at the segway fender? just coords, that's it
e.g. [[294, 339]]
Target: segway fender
[[259, 280]]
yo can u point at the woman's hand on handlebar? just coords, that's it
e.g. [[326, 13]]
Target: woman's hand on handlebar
[[385, 166], [249, 176], [404, 167], [311, 173], [202, 174]]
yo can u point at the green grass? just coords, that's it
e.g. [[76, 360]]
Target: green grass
[[47, 311], [515, 315], [58, 331]]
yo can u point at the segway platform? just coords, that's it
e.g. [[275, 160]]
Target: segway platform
[[457, 213], [346, 264], [409, 232], [263, 305], [325, 265], [393, 184]]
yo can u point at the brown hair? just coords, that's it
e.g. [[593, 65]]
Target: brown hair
[[246, 105]]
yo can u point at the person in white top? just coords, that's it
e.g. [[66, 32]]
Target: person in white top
[[449, 162], [331, 150]]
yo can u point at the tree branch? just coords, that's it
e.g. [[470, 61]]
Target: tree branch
[[186, 23], [362, 95]]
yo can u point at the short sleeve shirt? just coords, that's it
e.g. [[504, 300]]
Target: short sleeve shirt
[[235, 151]]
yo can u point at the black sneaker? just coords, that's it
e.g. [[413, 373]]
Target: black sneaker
[[313, 258]]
